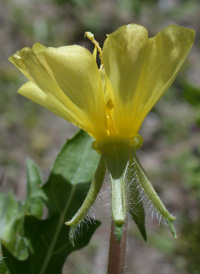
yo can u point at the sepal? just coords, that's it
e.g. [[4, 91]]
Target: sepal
[[89, 200], [151, 194]]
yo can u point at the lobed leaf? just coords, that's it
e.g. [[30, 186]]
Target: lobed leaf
[[64, 192]]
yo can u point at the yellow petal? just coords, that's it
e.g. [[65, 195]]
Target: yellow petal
[[142, 69], [32, 92], [37, 47], [165, 54], [76, 72], [70, 75], [123, 54]]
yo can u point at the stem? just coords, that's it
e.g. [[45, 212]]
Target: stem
[[117, 251]]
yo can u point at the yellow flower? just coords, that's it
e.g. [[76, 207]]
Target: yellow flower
[[114, 100], [110, 103]]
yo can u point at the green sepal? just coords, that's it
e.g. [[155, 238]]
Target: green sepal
[[172, 228], [89, 200], [71, 234], [136, 208], [116, 155], [119, 232], [119, 208], [151, 194]]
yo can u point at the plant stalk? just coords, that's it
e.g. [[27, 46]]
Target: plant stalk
[[117, 251]]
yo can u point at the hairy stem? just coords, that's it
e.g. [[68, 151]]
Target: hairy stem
[[117, 251]]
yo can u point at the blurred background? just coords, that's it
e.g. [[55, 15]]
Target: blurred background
[[171, 132]]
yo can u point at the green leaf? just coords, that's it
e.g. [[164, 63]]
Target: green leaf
[[33, 204], [64, 193], [3, 268], [37, 262], [9, 209], [11, 226], [12, 215], [72, 171]]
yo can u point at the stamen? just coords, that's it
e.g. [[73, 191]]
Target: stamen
[[110, 104], [90, 36]]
